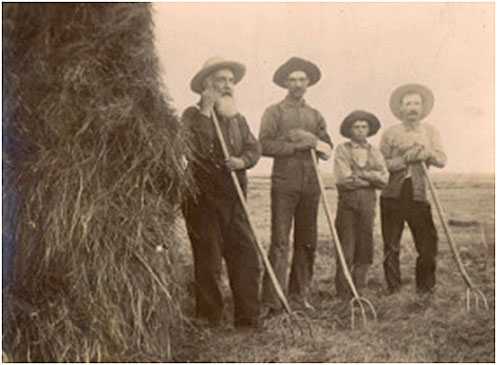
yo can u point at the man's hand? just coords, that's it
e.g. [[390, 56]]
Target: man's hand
[[235, 163], [304, 140], [411, 154], [208, 100], [417, 153], [424, 155], [364, 175]]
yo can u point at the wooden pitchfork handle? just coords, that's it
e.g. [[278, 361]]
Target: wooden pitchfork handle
[[445, 226], [455, 252], [260, 249], [334, 234]]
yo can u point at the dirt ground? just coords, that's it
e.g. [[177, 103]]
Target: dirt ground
[[408, 329]]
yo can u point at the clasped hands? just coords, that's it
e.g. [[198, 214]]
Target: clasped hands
[[417, 153], [303, 140]]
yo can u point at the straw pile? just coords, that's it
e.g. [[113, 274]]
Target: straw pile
[[93, 155]]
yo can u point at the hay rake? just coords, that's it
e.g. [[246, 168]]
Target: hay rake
[[473, 294], [292, 319], [357, 302]]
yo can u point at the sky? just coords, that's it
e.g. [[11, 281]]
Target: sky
[[364, 52]]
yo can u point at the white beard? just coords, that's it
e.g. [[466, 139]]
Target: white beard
[[226, 106]]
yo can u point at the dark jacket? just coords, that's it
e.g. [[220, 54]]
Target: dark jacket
[[207, 166], [292, 169]]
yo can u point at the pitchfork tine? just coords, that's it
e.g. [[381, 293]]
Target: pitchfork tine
[[357, 299], [360, 302], [478, 295]]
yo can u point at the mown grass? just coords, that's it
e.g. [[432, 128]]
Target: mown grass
[[408, 329]]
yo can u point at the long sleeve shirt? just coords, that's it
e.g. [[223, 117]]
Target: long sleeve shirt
[[359, 166], [359, 169], [210, 173], [395, 142], [292, 169]]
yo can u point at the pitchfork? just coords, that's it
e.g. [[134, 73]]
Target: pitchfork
[[292, 316], [357, 301], [472, 292]]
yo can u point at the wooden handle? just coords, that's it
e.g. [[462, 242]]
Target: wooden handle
[[334, 234], [262, 252], [445, 225]]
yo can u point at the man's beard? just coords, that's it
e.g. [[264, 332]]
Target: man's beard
[[226, 106]]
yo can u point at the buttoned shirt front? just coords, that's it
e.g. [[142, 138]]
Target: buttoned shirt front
[[292, 169], [395, 142]]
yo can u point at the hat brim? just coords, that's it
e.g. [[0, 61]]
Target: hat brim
[[401, 91], [237, 68], [296, 64], [373, 122]]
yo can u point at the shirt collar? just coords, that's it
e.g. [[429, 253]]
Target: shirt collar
[[411, 125], [289, 101], [365, 145]]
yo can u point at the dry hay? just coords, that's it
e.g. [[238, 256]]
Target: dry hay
[[93, 157]]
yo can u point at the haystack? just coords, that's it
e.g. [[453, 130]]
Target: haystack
[[93, 156]]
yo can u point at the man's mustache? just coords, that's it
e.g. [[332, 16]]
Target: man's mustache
[[413, 112]]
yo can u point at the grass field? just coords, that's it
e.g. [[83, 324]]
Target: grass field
[[407, 330]]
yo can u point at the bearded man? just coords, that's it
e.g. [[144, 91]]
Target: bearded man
[[215, 220], [289, 130]]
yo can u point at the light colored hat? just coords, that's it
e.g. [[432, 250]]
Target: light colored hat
[[214, 64], [296, 64], [398, 94]]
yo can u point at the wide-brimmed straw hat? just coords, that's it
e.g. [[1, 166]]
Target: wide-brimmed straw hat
[[401, 91], [296, 64], [374, 123], [214, 64]]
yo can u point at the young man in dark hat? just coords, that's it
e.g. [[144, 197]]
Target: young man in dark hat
[[359, 170], [289, 129], [215, 220], [405, 146]]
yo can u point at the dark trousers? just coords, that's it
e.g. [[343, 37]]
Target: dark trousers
[[287, 206], [219, 230], [417, 214], [354, 223]]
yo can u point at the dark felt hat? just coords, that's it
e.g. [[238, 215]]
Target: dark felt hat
[[374, 123], [296, 64]]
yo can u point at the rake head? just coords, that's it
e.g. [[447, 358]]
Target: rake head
[[363, 305], [475, 299]]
